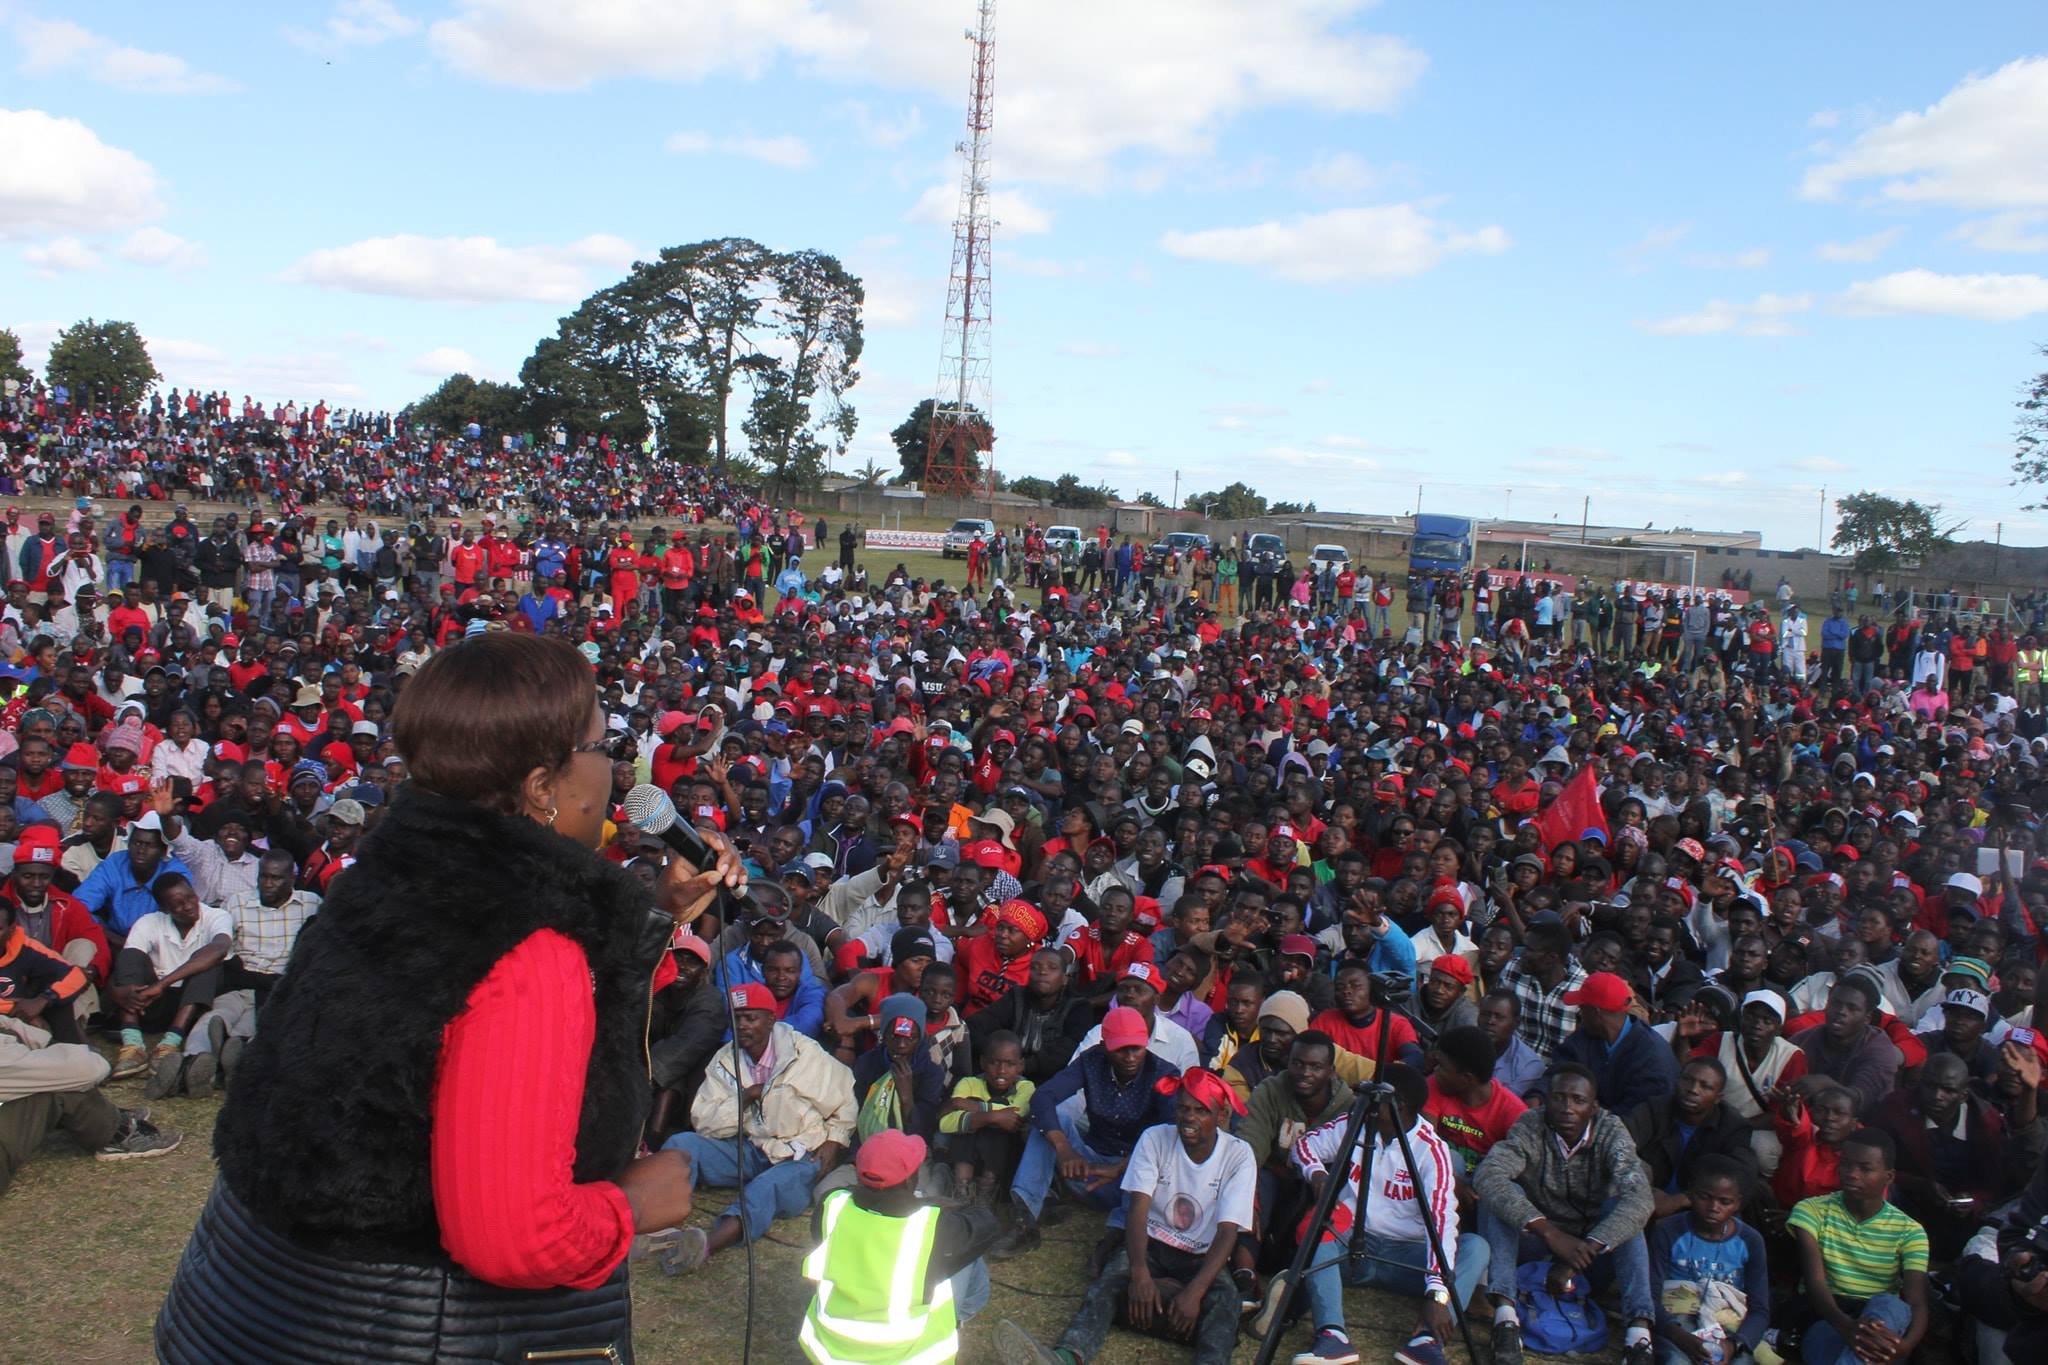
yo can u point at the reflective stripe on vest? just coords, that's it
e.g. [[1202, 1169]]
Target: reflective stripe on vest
[[869, 1307]]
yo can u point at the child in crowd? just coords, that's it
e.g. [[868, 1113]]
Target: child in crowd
[[1711, 1272], [985, 1120]]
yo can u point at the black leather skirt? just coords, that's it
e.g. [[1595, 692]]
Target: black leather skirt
[[246, 1293]]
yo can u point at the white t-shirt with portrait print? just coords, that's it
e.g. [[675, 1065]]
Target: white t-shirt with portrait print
[[1189, 1202]]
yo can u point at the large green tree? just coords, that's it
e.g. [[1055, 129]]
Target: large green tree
[[1235, 502], [2030, 434], [461, 399], [105, 360], [799, 418], [11, 367], [1881, 532], [913, 440]]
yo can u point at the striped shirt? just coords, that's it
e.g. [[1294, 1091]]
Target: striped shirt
[[1863, 1258], [1393, 1211], [1546, 1020]]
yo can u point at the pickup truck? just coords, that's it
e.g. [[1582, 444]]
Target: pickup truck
[[957, 540]]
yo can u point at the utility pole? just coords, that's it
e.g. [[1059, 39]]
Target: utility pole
[[1820, 522], [1585, 518], [1418, 499], [1507, 506], [1175, 504]]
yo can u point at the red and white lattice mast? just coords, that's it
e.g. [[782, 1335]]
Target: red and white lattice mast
[[962, 460]]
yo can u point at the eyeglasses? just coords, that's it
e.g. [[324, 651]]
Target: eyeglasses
[[595, 746]]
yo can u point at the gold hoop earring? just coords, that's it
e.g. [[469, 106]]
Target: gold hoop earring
[[552, 813]]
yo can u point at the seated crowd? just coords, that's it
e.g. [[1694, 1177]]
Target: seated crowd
[[1719, 990]]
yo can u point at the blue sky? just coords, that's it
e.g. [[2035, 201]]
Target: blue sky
[[1697, 266]]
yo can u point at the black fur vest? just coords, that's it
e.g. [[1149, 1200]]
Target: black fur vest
[[325, 1132]]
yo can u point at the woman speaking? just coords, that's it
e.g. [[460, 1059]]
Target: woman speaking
[[427, 1152]]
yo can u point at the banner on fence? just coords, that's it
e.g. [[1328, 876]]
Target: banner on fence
[[906, 540]]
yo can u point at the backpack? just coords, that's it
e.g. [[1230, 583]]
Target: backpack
[[1552, 1326]]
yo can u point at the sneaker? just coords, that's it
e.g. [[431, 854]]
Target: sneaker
[[203, 1073], [1266, 1312], [138, 1139], [166, 1069], [646, 1244], [131, 1060], [1638, 1353], [1331, 1347], [688, 1253], [1507, 1343], [1423, 1349], [1014, 1346]]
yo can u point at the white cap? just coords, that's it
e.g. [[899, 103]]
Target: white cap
[[1770, 1000], [1966, 881], [1963, 999], [364, 727], [149, 819]]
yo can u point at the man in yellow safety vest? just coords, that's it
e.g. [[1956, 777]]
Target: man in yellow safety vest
[[888, 1266]]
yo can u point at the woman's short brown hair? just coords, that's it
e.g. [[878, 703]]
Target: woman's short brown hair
[[484, 713]]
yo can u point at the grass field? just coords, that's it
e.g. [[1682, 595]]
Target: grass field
[[95, 1246]]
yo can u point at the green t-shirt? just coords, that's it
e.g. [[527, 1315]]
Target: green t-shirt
[[1867, 1258]]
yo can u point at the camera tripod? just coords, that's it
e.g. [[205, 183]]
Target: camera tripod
[[1390, 991]]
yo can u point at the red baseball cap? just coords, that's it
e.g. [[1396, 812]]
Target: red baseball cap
[[1124, 1027], [753, 996], [889, 1158], [1147, 973], [1601, 990]]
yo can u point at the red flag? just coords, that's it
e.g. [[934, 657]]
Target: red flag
[[1576, 810]]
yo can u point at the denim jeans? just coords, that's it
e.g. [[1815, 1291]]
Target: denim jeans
[[774, 1189], [1332, 1269], [1824, 1345], [120, 573], [1215, 1329], [1627, 1264], [1040, 1163]]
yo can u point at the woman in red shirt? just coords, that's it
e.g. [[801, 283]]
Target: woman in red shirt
[[445, 1098]]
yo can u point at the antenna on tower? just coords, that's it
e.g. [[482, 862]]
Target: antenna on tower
[[960, 446]]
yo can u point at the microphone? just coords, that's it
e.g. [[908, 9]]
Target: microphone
[[649, 810]]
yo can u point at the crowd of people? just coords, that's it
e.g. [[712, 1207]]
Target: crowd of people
[[1722, 972]]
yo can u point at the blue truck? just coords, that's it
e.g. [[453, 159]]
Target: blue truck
[[1442, 544]]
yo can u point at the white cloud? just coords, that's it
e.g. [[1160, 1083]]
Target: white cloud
[[60, 256], [1985, 298], [1720, 478], [1755, 258], [882, 130], [1015, 213], [1069, 105], [1637, 255], [1765, 316], [1982, 145], [442, 361], [1345, 245], [57, 176], [1860, 248], [1825, 118], [1338, 173], [357, 23], [51, 46], [2015, 231], [789, 152], [463, 269], [154, 246], [272, 373]]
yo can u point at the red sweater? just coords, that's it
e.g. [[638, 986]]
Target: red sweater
[[506, 1109]]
